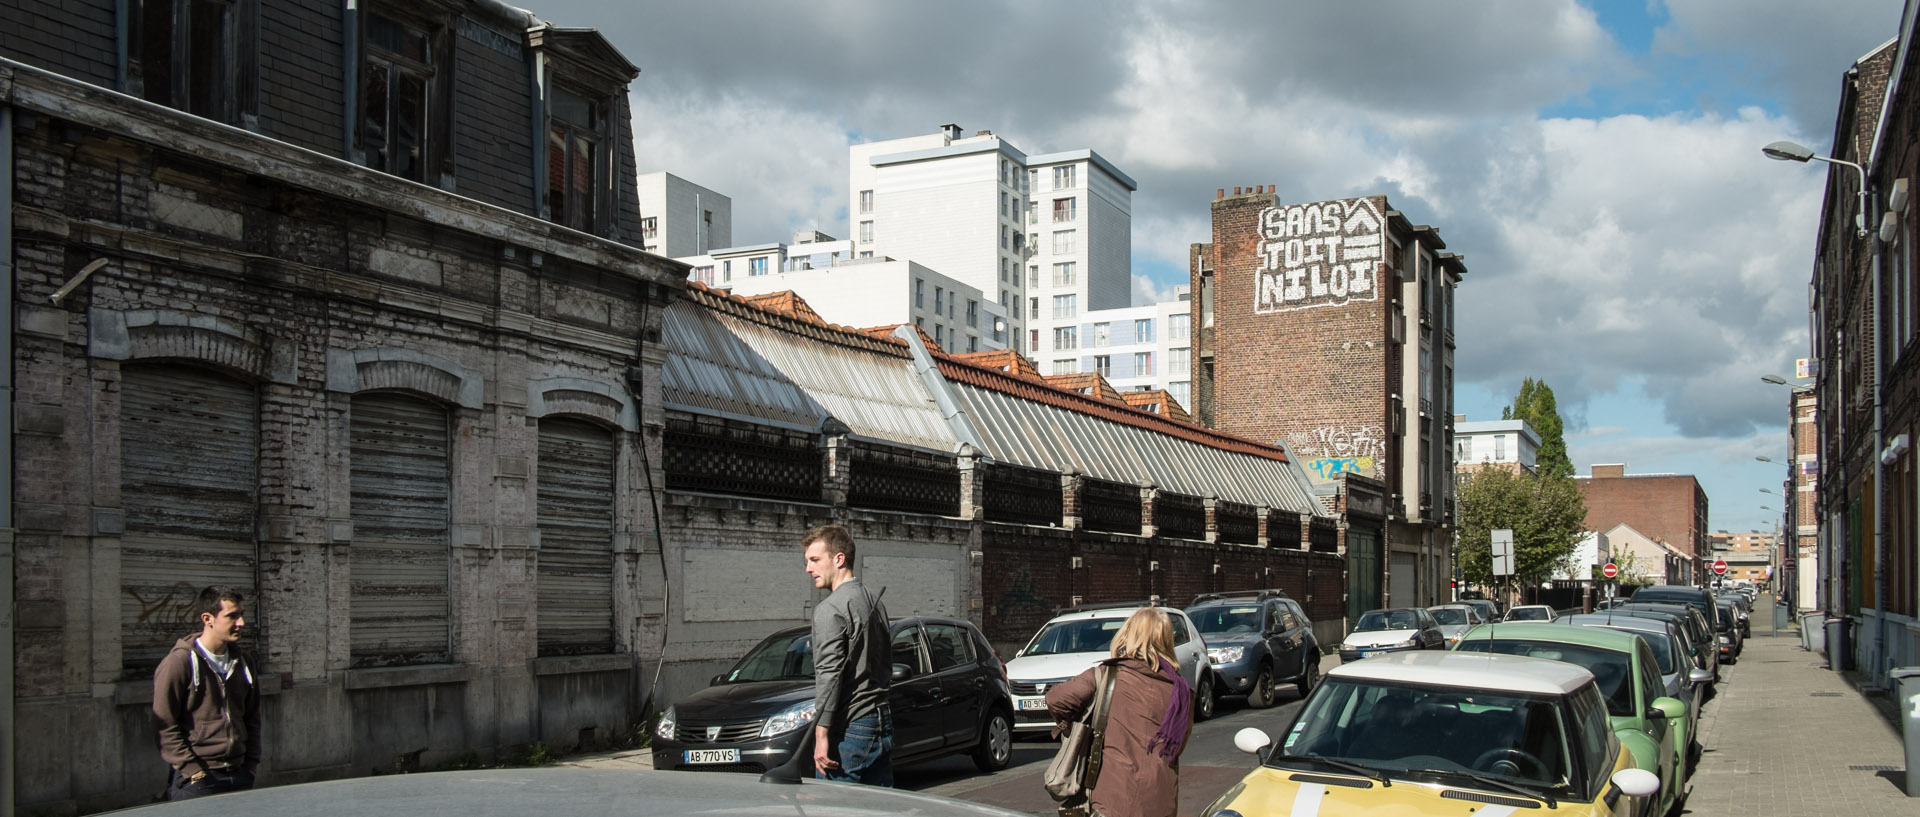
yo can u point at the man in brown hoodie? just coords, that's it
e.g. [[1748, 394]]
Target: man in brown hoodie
[[205, 707]]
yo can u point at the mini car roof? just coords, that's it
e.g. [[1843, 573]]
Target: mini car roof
[[1469, 670]]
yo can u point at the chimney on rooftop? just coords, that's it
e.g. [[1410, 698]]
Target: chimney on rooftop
[[983, 133], [951, 130], [1612, 471]]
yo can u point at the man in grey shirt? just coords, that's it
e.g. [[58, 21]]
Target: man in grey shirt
[[852, 667]]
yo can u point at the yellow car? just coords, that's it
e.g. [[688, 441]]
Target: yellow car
[[1444, 733]]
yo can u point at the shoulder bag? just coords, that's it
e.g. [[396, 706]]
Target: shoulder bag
[[1076, 768]]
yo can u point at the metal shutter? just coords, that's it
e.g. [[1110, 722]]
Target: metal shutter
[[576, 538], [400, 542], [188, 439]]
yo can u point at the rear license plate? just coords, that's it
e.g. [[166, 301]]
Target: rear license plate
[[1032, 704], [711, 756]]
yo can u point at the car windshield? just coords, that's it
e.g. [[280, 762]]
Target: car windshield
[[1449, 615], [1527, 614], [1387, 620], [1610, 669], [1226, 619], [1082, 635], [782, 657], [1405, 728]]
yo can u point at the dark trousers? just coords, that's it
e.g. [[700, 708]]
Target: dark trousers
[[217, 781]]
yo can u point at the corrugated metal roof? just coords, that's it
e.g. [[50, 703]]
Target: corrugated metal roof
[[1039, 435], [718, 363]]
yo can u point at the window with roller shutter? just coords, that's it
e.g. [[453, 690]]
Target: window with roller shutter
[[400, 531], [188, 443], [575, 506]]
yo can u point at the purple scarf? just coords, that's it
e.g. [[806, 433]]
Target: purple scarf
[[1177, 721]]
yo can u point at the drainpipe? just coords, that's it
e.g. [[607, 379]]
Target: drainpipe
[[1878, 674], [350, 75], [6, 465]]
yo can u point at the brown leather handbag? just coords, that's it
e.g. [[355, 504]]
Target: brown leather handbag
[[1075, 769]]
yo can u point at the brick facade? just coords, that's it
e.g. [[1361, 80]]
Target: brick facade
[[1668, 507]]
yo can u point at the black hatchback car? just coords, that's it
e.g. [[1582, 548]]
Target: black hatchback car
[[949, 695], [1256, 640]]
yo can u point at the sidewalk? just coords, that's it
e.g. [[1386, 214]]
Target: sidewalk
[[1785, 737]]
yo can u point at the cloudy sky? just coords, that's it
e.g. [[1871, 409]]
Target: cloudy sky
[[1597, 162]]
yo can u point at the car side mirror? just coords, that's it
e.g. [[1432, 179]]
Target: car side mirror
[[1253, 741], [1669, 708], [1699, 676], [1636, 782], [717, 680], [902, 672]]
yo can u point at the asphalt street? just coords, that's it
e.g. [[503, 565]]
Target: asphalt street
[[1208, 767]]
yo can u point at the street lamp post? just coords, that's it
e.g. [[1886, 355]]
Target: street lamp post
[[1794, 152]]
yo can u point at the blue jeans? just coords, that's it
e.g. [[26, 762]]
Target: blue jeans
[[864, 748]]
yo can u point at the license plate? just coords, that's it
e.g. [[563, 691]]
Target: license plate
[[1032, 704], [712, 756]]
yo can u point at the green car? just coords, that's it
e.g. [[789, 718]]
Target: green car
[[1647, 723]]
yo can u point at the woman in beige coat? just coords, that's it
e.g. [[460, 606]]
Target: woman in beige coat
[[1147, 723]]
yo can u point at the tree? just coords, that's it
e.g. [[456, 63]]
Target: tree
[[1631, 574], [1546, 514], [1535, 404]]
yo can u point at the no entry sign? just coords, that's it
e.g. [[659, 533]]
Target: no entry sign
[[1720, 566], [1610, 570]]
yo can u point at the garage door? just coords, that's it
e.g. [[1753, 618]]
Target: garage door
[[1401, 588], [400, 523], [188, 439], [575, 501]]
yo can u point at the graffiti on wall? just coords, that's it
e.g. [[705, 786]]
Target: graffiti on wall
[[1323, 254], [1329, 451]]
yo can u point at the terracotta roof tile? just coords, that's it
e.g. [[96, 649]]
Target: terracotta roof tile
[[1087, 383], [788, 303], [1004, 360], [719, 300], [1169, 407], [887, 332]]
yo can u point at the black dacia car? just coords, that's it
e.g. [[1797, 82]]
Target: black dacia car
[[1256, 640], [949, 695]]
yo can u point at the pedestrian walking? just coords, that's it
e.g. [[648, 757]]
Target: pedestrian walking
[[205, 707], [1148, 719], [852, 667]]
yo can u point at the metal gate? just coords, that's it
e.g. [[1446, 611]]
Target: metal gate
[[188, 439], [1363, 570], [575, 506], [400, 525]]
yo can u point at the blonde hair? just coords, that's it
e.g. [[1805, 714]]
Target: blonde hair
[[1147, 635]]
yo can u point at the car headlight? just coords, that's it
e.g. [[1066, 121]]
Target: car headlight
[[669, 720], [794, 717], [1413, 641], [1225, 655]]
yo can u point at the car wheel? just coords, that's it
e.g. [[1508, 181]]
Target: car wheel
[[996, 743], [1310, 678], [1203, 698], [1261, 695]]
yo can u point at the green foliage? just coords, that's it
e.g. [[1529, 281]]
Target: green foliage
[[1546, 514], [1631, 575], [463, 763], [535, 754], [1535, 404]]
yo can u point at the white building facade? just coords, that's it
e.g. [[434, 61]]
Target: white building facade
[[679, 218], [1512, 443]]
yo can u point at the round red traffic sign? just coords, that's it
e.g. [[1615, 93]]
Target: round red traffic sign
[[1610, 570], [1720, 566]]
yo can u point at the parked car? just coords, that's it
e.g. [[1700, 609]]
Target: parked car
[[1488, 610], [1732, 637], [1531, 612], [1679, 678], [1455, 620], [1624, 668], [1701, 639], [949, 696], [1256, 639], [1698, 598], [572, 791], [1391, 630], [1742, 609], [1082, 636], [1445, 733]]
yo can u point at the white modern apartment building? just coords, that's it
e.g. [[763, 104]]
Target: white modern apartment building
[[679, 218], [846, 288], [1507, 443], [1136, 348], [983, 212]]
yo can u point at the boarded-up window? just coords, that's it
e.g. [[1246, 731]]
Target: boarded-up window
[[575, 500], [188, 439], [400, 521]]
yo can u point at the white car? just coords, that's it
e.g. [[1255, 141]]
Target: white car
[[1082, 636], [1531, 612]]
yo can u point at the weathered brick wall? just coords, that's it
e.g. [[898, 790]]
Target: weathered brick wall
[[1662, 507], [492, 152], [302, 94]]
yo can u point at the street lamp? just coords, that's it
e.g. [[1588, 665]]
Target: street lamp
[[1795, 152], [1781, 381], [1764, 459]]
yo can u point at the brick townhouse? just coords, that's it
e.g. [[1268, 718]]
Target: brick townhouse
[[1671, 508]]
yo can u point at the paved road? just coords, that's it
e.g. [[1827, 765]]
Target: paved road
[[1209, 766]]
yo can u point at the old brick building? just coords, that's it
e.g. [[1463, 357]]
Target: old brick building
[[1328, 327], [1669, 507], [342, 305]]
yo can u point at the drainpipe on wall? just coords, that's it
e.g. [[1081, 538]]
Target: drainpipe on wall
[[6, 465], [1877, 675]]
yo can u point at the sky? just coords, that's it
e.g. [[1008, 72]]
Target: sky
[[1597, 163]]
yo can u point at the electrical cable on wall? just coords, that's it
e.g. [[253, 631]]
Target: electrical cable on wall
[[637, 385]]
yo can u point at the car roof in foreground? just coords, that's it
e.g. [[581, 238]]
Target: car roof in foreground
[[1469, 670], [1109, 612], [1553, 632], [569, 791]]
